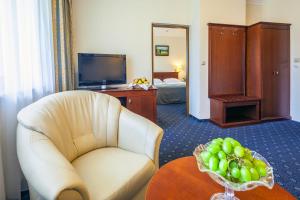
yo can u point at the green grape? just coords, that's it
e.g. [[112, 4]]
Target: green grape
[[257, 163], [245, 174], [213, 163], [220, 140], [205, 156], [239, 151], [235, 172], [233, 164], [262, 171], [221, 173], [254, 174], [217, 141], [228, 139], [221, 155], [223, 165], [248, 156], [235, 143], [227, 147], [213, 148], [247, 163], [241, 180]]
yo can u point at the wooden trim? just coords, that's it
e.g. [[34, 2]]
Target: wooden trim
[[164, 75], [187, 28], [187, 70], [227, 25], [162, 25], [270, 23]]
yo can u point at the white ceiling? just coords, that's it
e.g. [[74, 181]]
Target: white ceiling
[[169, 32]]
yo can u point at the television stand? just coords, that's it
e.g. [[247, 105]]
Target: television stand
[[139, 101]]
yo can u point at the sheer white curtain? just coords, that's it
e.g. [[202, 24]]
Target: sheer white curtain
[[26, 73]]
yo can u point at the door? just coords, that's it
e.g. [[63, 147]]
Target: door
[[282, 73], [276, 73]]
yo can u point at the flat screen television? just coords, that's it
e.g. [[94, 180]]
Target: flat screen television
[[101, 70]]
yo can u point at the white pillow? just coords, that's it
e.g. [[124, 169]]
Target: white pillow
[[157, 81], [172, 80]]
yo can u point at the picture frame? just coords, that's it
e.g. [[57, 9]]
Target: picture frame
[[162, 50]]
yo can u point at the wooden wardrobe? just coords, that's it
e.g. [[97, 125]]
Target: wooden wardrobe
[[249, 73], [268, 68]]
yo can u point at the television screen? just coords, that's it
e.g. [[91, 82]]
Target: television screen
[[101, 69]]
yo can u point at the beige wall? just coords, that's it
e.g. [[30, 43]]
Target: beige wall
[[254, 13], [286, 12], [124, 27], [177, 54]]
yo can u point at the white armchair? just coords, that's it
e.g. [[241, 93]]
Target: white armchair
[[85, 145]]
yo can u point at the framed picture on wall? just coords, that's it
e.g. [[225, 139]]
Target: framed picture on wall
[[162, 50]]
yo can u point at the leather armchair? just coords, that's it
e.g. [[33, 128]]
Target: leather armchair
[[84, 145]]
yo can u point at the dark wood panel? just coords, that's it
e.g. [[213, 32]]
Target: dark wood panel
[[253, 72], [142, 102], [216, 111], [282, 73], [164, 75], [268, 68], [276, 71], [226, 60], [268, 61]]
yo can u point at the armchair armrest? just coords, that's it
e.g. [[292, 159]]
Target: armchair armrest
[[139, 135], [47, 171]]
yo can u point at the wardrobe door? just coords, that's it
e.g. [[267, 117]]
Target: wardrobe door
[[276, 73], [268, 100], [282, 73]]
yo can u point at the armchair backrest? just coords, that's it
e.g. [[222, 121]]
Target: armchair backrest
[[75, 121]]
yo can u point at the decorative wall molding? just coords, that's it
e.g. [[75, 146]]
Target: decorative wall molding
[[255, 2]]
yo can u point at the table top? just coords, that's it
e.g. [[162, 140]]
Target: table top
[[181, 179]]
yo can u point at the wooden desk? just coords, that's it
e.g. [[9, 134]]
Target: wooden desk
[[139, 101], [181, 180]]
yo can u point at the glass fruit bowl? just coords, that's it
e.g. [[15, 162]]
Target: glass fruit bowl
[[230, 187]]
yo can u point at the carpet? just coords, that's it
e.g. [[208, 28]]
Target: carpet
[[277, 141]]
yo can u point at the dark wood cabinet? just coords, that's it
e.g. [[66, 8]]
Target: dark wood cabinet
[[249, 73], [268, 68], [142, 102]]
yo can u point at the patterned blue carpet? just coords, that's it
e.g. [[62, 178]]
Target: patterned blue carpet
[[278, 141]]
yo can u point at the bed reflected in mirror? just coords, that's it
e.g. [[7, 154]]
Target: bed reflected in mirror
[[170, 65]]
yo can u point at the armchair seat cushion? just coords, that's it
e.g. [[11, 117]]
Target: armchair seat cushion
[[113, 173]]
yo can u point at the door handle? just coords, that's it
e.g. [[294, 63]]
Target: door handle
[[129, 101], [275, 73]]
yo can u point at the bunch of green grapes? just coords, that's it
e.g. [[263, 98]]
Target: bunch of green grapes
[[141, 81], [230, 159]]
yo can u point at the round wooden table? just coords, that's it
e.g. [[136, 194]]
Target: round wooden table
[[181, 179]]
